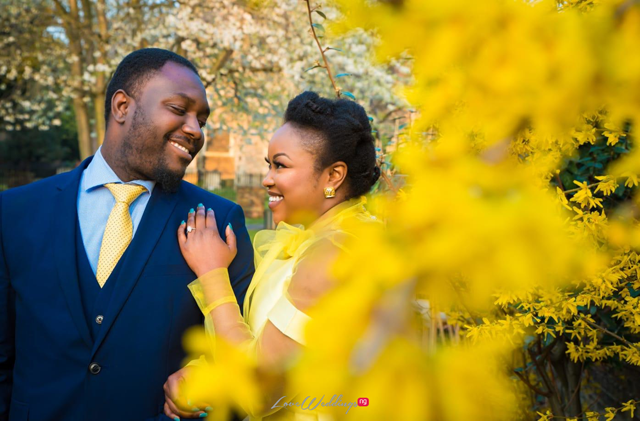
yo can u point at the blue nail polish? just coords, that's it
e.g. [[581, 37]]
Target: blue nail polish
[[176, 419], [191, 211], [200, 205], [204, 414], [230, 226], [208, 409], [182, 223], [209, 210]]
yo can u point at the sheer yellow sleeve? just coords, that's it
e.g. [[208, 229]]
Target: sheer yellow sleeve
[[216, 300]]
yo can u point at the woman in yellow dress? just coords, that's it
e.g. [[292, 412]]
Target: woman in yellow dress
[[321, 163]]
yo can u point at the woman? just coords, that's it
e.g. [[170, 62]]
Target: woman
[[321, 163]]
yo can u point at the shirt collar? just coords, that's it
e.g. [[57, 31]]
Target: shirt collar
[[98, 173]]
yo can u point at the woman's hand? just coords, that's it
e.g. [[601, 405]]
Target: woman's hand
[[202, 248]]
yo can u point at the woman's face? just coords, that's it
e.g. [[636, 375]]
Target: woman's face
[[296, 189]]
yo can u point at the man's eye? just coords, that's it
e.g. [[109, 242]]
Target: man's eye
[[178, 110]]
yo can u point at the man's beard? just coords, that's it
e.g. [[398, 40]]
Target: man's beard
[[136, 155]]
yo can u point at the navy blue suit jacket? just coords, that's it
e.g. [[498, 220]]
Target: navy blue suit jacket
[[45, 343]]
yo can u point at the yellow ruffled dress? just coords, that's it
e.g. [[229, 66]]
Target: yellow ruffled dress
[[277, 255]]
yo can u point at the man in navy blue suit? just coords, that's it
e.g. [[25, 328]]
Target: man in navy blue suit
[[79, 343]]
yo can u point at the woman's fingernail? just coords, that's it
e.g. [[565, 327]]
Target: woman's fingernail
[[208, 409], [176, 419], [209, 210], [200, 205], [204, 414], [194, 409], [230, 227], [191, 211], [182, 223]]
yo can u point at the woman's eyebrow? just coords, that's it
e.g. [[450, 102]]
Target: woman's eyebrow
[[280, 154]]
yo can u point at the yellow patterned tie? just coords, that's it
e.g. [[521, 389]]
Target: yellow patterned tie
[[119, 229]]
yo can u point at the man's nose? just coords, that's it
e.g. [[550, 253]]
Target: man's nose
[[191, 128]]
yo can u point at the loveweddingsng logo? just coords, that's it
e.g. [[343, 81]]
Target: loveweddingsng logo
[[308, 404]]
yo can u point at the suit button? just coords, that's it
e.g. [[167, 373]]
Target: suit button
[[99, 319], [94, 368]]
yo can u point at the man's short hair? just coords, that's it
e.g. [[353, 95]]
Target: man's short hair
[[136, 69]]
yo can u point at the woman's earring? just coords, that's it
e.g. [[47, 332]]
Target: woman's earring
[[329, 192]]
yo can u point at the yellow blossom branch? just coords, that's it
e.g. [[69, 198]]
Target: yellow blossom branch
[[580, 188], [608, 332]]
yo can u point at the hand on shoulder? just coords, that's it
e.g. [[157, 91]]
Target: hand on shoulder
[[201, 244]]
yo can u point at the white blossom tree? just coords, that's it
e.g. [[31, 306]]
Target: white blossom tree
[[252, 58]]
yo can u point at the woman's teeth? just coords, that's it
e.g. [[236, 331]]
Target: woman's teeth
[[182, 148], [275, 198]]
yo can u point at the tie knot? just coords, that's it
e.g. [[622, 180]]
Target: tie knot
[[125, 193]]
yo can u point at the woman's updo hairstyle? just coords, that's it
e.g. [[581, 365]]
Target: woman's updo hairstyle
[[337, 130]]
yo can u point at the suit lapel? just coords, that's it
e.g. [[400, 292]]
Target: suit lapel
[[65, 247], [152, 225]]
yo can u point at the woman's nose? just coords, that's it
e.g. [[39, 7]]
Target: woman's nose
[[267, 181]]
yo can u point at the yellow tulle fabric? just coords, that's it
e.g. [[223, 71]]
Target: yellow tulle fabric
[[277, 255]]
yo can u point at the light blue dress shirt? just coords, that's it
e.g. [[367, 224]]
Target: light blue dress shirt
[[96, 201]]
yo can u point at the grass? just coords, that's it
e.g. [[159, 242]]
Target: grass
[[253, 221], [230, 193], [226, 192]]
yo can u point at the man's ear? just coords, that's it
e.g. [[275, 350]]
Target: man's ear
[[120, 104], [337, 174]]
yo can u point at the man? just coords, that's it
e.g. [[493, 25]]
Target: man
[[93, 287]]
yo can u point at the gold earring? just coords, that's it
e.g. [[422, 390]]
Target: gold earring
[[329, 192]]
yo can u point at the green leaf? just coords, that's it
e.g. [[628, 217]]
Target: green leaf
[[311, 68], [343, 74], [349, 94], [402, 126], [318, 26], [336, 49], [620, 149], [321, 14]]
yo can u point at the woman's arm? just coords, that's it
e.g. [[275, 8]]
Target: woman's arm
[[310, 281], [277, 343]]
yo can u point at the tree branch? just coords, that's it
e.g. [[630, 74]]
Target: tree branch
[[324, 58]]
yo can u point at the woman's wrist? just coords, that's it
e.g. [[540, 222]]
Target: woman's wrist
[[208, 273], [208, 267]]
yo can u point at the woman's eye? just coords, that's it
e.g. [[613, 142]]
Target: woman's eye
[[278, 165]]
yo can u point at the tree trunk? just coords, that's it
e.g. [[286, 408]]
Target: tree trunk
[[98, 107], [73, 33], [84, 128], [101, 81]]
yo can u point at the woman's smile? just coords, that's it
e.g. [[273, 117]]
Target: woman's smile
[[274, 199]]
